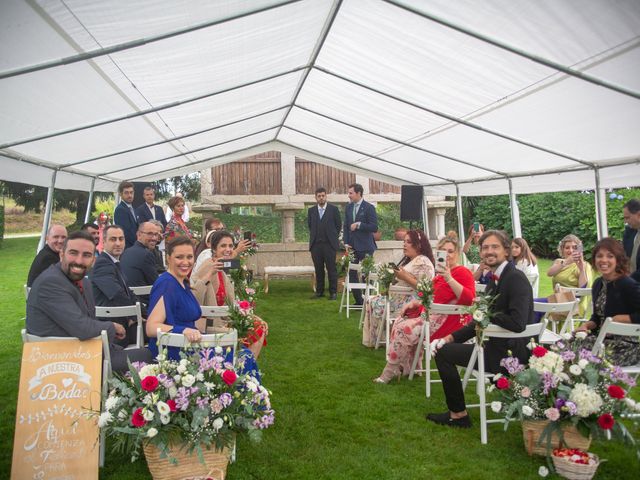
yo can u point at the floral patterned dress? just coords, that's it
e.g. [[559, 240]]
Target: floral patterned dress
[[177, 228], [419, 267]]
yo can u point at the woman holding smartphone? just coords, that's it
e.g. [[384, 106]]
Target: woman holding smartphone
[[571, 270], [472, 246]]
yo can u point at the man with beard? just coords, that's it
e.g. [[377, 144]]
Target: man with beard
[[61, 304], [50, 253], [511, 309], [110, 286], [138, 262], [124, 214], [93, 230]]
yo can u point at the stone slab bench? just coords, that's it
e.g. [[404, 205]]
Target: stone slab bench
[[290, 271]]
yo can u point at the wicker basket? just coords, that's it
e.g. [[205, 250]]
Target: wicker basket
[[187, 466], [532, 429], [574, 471]]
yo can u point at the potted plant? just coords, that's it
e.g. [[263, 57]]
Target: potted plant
[[184, 414]]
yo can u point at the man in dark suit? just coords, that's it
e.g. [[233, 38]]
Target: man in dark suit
[[110, 287], [124, 214], [60, 303], [50, 253], [631, 236], [324, 227], [512, 309], [138, 262], [360, 223], [148, 210]]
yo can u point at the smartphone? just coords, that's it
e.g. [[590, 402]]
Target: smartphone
[[232, 264], [580, 249], [441, 256], [476, 226], [248, 235]]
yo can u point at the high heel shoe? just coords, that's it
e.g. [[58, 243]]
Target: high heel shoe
[[389, 373]]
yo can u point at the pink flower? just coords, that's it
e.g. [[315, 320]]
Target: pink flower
[[420, 294], [229, 377], [552, 414], [539, 351], [606, 421], [616, 392], [137, 419], [244, 305], [149, 383], [502, 383], [526, 392]]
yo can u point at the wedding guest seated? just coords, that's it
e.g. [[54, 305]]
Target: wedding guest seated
[[416, 264], [158, 250], [176, 227], [453, 284], [138, 262], [522, 257], [614, 295], [571, 270], [210, 225], [61, 304], [205, 254], [50, 253], [94, 231], [212, 286], [631, 236], [512, 309], [110, 286]]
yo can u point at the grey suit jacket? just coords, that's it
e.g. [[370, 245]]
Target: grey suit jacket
[[56, 308]]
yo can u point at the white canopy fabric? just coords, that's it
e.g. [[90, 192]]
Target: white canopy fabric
[[434, 93]]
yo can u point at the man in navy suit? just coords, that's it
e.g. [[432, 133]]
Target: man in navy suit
[[148, 210], [324, 227], [124, 215], [360, 223], [631, 236]]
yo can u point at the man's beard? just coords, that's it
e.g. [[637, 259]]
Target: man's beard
[[73, 276]]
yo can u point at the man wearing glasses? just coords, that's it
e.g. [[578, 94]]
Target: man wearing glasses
[[139, 262]]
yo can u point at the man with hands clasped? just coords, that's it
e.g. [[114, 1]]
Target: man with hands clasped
[[512, 309]]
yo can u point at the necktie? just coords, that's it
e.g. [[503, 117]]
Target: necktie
[[634, 252], [321, 212], [123, 282], [494, 277], [133, 213], [355, 211]]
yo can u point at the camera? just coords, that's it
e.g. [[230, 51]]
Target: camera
[[232, 264], [441, 257]]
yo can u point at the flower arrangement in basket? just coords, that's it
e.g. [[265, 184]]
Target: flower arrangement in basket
[[342, 264], [575, 464], [368, 265], [386, 276], [480, 312], [192, 405], [565, 386]]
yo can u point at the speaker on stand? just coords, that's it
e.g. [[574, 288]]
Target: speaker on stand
[[411, 204]]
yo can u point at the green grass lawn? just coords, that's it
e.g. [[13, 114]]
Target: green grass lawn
[[332, 422]]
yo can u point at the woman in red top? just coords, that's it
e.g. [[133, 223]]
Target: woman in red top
[[212, 286], [453, 284]]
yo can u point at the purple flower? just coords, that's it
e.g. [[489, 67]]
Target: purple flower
[[548, 382], [560, 403], [225, 399], [165, 380], [202, 402], [571, 407], [182, 398], [264, 421], [568, 355], [590, 357], [617, 375], [512, 365]]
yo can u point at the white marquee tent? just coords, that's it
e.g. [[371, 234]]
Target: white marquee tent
[[462, 97]]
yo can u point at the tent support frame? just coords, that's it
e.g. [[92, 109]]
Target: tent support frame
[[516, 229], [601, 207], [90, 200], [461, 235], [48, 208]]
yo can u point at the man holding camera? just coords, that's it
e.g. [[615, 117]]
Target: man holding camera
[[324, 226]]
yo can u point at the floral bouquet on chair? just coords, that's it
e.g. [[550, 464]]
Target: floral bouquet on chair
[[368, 266], [480, 312], [241, 318], [197, 403], [386, 275], [342, 264], [565, 385], [424, 290]]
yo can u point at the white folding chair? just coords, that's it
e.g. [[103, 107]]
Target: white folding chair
[[492, 331], [480, 287], [534, 280], [106, 373], [424, 342], [567, 309], [609, 327], [370, 290], [226, 339], [210, 313], [579, 293], [389, 316], [142, 290], [349, 287], [125, 312]]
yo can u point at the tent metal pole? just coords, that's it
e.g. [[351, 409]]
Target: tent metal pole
[[515, 212], [460, 216], [47, 211], [601, 208], [425, 213], [90, 201]]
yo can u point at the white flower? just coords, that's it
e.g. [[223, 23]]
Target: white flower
[[147, 400], [497, 376], [586, 399], [575, 369], [252, 386], [152, 432], [147, 370], [478, 315], [218, 350], [525, 392], [148, 414], [181, 369], [165, 419], [200, 376], [496, 406], [188, 380], [209, 385], [491, 388], [104, 419], [527, 411], [163, 408], [551, 362], [583, 363], [173, 391], [531, 345], [566, 336], [631, 403], [581, 335], [184, 361], [543, 471], [122, 414], [110, 403], [217, 423]]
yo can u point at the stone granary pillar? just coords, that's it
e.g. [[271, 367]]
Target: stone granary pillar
[[288, 220]]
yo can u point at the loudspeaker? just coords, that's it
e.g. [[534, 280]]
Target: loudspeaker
[[411, 203]]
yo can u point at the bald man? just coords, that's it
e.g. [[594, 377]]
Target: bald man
[[50, 253]]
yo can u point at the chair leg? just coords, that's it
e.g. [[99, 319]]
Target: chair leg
[[416, 356], [469, 371], [482, 394], [344, 293], [427, 357], [266, 283]]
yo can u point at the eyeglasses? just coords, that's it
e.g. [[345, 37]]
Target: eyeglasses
[[152, 234]]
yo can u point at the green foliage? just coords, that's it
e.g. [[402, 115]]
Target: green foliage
[[268, 228], [103, 205]]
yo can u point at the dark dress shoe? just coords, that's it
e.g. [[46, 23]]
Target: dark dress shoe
[[445, 419], [317, 295], [333, 296]]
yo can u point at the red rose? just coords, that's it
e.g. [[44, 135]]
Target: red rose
[[606, 421], [616, 392], [539, 351], [502, 383], [244, 305], [172, 405], [420, 294], [229, 377], [149, 384], [137, 420]]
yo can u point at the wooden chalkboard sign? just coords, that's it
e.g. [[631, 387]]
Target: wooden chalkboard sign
[[59, 380]]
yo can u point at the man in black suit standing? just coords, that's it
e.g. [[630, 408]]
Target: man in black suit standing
[[324, 227], [124, 214], [512, 309], [360, 223], [148, 210], [110, 287], [631, 236]]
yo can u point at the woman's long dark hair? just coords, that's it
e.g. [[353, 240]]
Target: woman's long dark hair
[[418, 239]]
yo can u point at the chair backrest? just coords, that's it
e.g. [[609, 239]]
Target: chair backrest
[[227, 339], [356, 267], [447, 309], [26, 291], [480, 287], [609, 327], [143, 290], [119, 312], [578, 292], [565, 307], [534, 330]]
